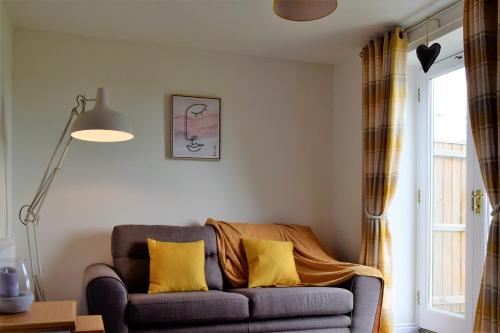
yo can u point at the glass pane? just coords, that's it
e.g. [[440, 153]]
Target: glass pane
[[449, 192], [448, 274]]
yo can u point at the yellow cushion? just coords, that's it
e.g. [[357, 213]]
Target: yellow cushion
[[270, 263], [176, 266]]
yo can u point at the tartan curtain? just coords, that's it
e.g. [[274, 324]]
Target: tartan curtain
[[384, 94], [481, 48]]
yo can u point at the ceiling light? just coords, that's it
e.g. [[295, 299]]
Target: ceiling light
[[304, 10]]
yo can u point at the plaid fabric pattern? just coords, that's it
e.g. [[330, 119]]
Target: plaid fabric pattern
[[384, 94], [481, 48]]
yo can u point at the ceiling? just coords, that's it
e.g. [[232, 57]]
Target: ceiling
[[238, 26]]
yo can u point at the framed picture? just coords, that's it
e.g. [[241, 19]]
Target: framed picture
[[196, 127]]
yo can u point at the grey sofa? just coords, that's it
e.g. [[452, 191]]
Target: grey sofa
[[119, 294]]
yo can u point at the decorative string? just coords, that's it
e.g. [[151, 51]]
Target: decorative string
[[427, 32], [374, 217], [496, 210]]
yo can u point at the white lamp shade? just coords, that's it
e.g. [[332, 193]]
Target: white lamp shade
[[304, 10], [101, 124]]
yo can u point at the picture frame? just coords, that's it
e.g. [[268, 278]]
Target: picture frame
[[195, 127]]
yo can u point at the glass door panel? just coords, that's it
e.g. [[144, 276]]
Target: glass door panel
[[449, 190], [453, 209]]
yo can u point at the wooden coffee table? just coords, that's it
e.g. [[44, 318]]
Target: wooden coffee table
[[50, 316]]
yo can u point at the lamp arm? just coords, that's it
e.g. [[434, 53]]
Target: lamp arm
[[38, 202], [31, 216], [35, 205], [51, 172]]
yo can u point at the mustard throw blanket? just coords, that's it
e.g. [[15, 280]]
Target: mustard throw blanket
[[314, 265]]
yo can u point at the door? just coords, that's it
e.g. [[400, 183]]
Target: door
[[453, 208]]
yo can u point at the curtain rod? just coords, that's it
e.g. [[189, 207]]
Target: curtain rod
[[427, 19], [444, 10]]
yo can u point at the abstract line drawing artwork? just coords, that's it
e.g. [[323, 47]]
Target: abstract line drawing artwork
[[196, 127]]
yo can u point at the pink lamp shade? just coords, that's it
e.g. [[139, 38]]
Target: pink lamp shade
[[304, 10]]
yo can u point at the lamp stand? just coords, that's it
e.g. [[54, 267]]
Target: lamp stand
[[29, 214]]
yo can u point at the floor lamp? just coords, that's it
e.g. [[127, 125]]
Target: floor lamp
[[100, 124]]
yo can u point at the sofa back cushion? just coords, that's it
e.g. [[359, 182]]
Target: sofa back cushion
[[129, 249]]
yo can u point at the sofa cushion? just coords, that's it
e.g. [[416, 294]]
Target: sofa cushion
[[186, 308], [176, 266], [270, 263], [303, 324], [268, 303], [131, 258], [330, 324]]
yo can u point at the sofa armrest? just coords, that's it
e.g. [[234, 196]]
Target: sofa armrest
[[107, 296], [366, 291]]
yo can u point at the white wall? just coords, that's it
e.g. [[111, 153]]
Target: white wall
[[347, 158], [347, 189], [276, 145], [5, 117]]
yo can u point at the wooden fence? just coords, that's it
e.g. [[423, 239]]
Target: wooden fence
[[449, 209]]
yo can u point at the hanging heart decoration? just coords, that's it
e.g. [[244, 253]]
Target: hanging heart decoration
[[427, 55]]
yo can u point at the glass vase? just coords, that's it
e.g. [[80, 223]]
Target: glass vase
[[16, 290]]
